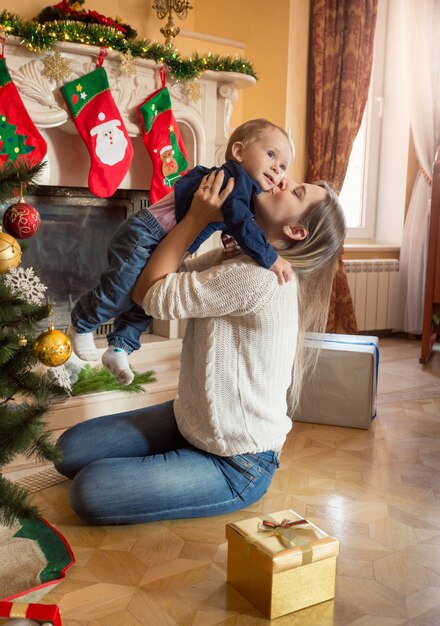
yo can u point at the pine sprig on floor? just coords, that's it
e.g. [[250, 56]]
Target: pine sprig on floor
[[98, 379]]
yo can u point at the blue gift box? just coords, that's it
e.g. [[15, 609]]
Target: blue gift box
[[342, 392]]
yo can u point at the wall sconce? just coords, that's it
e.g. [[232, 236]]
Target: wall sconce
[[168, 7]]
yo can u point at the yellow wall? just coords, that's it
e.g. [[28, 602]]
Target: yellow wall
[[275, 39], [275, 35]]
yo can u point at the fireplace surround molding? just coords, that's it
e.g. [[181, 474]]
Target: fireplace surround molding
[[204, 121]]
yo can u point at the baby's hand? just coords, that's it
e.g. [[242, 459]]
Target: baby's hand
[[282, 269]]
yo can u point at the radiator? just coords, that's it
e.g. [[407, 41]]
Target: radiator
[[373, 285]]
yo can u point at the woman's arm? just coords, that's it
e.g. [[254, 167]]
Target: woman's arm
[[166, 258]]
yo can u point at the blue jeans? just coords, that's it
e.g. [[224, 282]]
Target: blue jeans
[[128, 252], [136, 467]]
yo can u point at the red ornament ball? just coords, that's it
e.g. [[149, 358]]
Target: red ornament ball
[[21, 220]]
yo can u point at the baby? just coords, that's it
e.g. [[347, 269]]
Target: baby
[[257, 156]]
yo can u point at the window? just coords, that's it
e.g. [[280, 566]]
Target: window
[[360, 189], [352, 191]]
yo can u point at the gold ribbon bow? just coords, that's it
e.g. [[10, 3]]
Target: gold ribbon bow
[[292, 533]]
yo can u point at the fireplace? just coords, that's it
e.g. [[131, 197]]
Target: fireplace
[[70, 249]]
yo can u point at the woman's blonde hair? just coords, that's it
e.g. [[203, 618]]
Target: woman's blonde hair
[[314, 261]]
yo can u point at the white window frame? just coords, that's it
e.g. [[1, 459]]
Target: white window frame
[[374, 114]]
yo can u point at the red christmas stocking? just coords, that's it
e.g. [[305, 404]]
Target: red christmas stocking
[[162, 138], [19, 137], [99, 123]]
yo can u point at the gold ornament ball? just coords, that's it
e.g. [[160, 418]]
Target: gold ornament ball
[[52, 347], [10, 252]]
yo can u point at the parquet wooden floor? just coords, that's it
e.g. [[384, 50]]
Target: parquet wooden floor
[[378, 491]]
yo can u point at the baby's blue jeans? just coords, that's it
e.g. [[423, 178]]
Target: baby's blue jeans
[[128, 252], [136, 467]]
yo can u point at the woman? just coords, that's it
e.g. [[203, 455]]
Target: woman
[[216, 447]]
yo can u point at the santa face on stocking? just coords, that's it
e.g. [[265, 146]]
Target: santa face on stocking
[[111, 143], [100, 125]]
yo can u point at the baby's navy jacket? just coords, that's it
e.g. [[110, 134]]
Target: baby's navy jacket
[[238, 211]]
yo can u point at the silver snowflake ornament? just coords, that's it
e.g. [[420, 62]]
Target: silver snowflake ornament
[[60, 376], [24, 283]]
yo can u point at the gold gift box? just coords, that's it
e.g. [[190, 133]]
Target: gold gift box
[[281, 563]]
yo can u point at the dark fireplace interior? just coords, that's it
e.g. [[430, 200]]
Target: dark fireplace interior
[[69, 250]]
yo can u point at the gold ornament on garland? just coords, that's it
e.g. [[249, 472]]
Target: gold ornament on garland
[[57, 67], [191, 90], [128, 68], [52, 347], [22, 341], [10, 252]]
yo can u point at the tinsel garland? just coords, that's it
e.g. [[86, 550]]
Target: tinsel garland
[[41, 37]]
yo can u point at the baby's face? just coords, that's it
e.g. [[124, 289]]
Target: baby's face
[[267, 158]]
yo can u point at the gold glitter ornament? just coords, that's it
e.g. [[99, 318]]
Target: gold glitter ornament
[[56, 67], [52, 347], [128, 68], [191, 90], [22, 341], [10, 252]]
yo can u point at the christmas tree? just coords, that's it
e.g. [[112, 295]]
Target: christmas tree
[[13, 143], [24, 393]]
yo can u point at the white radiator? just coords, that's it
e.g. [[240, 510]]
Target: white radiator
[[373, 285]]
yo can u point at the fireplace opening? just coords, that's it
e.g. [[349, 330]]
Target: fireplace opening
[[69, 251]]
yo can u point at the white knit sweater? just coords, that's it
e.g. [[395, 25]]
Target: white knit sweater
[[237, 353]]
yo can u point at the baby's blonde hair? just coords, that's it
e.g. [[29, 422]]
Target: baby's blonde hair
[[250, 131], [314, 261]]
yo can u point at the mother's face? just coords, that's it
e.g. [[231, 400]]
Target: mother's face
[[288, 206]]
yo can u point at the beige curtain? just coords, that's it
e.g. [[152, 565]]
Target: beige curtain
[[342, 41], [421, 47]]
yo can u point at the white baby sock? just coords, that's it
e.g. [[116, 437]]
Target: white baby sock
[[116, 360], [83, 345]]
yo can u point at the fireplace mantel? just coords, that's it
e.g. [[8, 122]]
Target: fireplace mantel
[[204, 122]]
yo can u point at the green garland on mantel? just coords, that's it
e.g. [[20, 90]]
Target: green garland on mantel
[[41, 37]]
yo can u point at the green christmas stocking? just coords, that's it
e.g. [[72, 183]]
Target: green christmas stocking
[[19, 137], [162, 138], [100, 125]]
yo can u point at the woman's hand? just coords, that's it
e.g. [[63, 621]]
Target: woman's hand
[[231, 249], [208, 199], [168, 255]]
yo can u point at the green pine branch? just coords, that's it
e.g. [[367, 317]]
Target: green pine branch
[[14, 502], [98, 379], [43, 449], [21, 425], [18, 176]]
